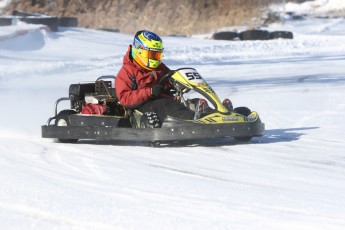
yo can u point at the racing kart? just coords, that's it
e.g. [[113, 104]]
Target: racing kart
[[95, 113]]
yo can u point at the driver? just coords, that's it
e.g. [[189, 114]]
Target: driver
[[137, 83]]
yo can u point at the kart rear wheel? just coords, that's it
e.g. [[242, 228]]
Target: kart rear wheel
[[153, 144], [243, 139], [63, 120]]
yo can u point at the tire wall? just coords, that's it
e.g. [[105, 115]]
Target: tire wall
[[255, 34]]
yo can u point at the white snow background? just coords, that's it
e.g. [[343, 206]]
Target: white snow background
[[291, 178]]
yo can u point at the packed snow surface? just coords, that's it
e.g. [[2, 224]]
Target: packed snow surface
[[291, 178]]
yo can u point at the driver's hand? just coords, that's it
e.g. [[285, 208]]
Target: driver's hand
[[156, 90]]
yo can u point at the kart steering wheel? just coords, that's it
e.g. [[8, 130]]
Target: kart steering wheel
[[175, 85], [166, 76]]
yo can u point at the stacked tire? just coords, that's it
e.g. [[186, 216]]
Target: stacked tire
[[264, 35], [4, 21], [281, 34], [68, 22], [251, 35], [52, 22], [254, 35], [225, 35]]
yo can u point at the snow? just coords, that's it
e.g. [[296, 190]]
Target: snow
[[317, 7], [4, 3], [291, 178]]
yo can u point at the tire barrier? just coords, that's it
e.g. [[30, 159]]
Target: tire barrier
[[51, 22], [68, 22], [20, 13], [254, 35], [177, 35], [5, 21], [225, 35], [109, 30], [281, 34]]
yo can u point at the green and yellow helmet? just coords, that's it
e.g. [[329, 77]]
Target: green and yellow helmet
[[147, 49]]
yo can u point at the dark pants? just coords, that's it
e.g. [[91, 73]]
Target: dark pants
[[166, 106]]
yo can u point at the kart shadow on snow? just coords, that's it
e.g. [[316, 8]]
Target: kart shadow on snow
[[271, 136], [283, 135]]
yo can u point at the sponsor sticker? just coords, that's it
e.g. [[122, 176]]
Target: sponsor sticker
[[230, 118]]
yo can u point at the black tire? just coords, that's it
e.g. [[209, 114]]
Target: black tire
[[5, 21], [150, 120], [68, 22], [51, 22], [177, 35], [243, 111], [243, 139], [254, 35], [113, 30], [225, 35], [281, 34], [20, 13], [153, 144], [62, 119]]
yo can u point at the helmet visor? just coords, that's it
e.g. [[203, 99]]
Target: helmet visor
[[150, 54]]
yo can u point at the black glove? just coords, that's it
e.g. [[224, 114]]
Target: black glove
[[156, 90]]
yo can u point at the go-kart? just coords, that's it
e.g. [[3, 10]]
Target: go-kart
[[95, 113]]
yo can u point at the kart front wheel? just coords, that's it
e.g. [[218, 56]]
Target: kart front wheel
[[62, 119], [245, 112]]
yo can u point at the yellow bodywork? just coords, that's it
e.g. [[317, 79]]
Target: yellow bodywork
[[219, 118], [191, 79]]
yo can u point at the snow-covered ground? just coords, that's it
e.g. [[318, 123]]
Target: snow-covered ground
[[292, 178], [318, 8]]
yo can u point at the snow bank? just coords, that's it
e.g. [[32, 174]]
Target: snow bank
[[8, 32], [4, 3], [318, 8]]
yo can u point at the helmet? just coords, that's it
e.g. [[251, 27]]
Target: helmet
[[147, 49]]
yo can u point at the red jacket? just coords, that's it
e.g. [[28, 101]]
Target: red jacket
[[133, 83]]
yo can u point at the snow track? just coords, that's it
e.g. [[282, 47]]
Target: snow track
[[292, 178]]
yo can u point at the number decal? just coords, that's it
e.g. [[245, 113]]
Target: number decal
[[197, 76], [193, 76], [190, 76]]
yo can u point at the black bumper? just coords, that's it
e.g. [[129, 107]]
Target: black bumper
[[194, 132]]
